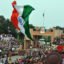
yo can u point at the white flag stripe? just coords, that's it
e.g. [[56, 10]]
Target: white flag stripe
[[21, 28], [19, 9], [21, 21], [21, 24]]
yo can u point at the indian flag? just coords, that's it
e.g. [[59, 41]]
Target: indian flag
[[21, 21]]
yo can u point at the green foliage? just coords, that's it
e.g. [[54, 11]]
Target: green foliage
[[2, 21], [58, 27], [11, 29], [31, 26], [6, 27]]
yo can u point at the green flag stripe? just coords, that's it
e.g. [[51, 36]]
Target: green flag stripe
[[27, 10]]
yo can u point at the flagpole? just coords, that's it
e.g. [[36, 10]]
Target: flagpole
[[43, 19], [43, 28]]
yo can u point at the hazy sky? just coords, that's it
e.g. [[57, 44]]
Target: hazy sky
[[53, 9]]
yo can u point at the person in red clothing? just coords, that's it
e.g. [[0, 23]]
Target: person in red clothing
[[59, 48], [20, 61]]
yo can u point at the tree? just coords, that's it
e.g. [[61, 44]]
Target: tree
[[10, 28], [58, 27], [2, 21], [31, 26]]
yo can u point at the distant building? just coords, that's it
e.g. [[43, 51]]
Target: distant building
[[37, 32]]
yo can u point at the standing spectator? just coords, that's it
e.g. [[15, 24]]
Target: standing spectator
[[6, 60], [16, 62], [20, 61], [63, 61], [9, 60]]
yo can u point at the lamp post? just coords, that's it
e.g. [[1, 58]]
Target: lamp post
[[43, 28]]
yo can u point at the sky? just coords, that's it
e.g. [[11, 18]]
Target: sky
[[53, 11]]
